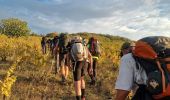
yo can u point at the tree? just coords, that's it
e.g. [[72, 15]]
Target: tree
[[14, 27]]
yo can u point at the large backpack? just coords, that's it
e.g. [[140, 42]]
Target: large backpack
[[94, 47], [78, 52], [153, 55], [63, 41]]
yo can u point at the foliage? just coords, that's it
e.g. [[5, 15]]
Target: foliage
[[6, 47], [23, 51], [14, 27], [9, 80], [27, 47]]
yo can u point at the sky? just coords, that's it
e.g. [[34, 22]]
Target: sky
[[133, 19]]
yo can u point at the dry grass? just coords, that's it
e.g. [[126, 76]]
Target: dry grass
[[41, 84]]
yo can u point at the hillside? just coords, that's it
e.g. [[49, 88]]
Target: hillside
[[35, 78]]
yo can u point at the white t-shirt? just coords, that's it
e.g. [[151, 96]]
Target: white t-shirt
[[129, 74]]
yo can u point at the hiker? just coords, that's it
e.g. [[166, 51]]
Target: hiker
[[48, 43], [80, 55], [55, 42], [43, 45], [147, 68], [55, 53], [126, 48], [89, 62], [68, 57], [51, 45], [93, 46], [63, 41]]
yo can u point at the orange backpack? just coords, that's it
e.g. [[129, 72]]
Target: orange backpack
[[153, 55]]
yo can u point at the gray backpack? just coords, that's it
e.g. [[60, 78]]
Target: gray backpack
[[78, 52]]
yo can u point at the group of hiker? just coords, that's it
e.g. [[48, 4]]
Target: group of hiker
[[78, 53], [144, 70]]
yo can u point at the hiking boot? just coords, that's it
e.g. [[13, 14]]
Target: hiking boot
[[63, 79]]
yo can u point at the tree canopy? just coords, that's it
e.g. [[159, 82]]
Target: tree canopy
[[14, 27]]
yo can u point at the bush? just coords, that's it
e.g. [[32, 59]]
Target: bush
[[14, 27]]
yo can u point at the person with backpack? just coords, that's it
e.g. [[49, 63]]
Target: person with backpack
[[48, 44], [127, 47], [147, 68], [43, 45], [94, 48], [80, 55], [89, 62], [55, 53], [63, 42]]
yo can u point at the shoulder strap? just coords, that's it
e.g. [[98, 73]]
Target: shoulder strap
[[72, 54], [136, 61], [147, 65]]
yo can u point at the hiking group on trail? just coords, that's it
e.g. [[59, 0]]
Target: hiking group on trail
[[78, 54], [144, 70]]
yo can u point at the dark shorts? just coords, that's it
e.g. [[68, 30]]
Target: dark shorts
[[80, 69], [62, 59]]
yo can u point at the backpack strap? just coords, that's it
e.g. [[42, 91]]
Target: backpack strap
[[72, 54], [136, 62]]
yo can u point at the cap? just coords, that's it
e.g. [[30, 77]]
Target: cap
[[126, 45]]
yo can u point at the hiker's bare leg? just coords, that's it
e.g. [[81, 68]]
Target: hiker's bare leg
[[82, 88], [82, 83], [63, 73], [77, 85], [66, 71]]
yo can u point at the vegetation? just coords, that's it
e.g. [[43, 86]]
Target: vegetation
[[14, 27]]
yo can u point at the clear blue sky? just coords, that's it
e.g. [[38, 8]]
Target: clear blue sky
[[133, 19]]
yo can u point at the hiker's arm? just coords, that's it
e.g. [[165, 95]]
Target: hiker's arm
[[121, 94]]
